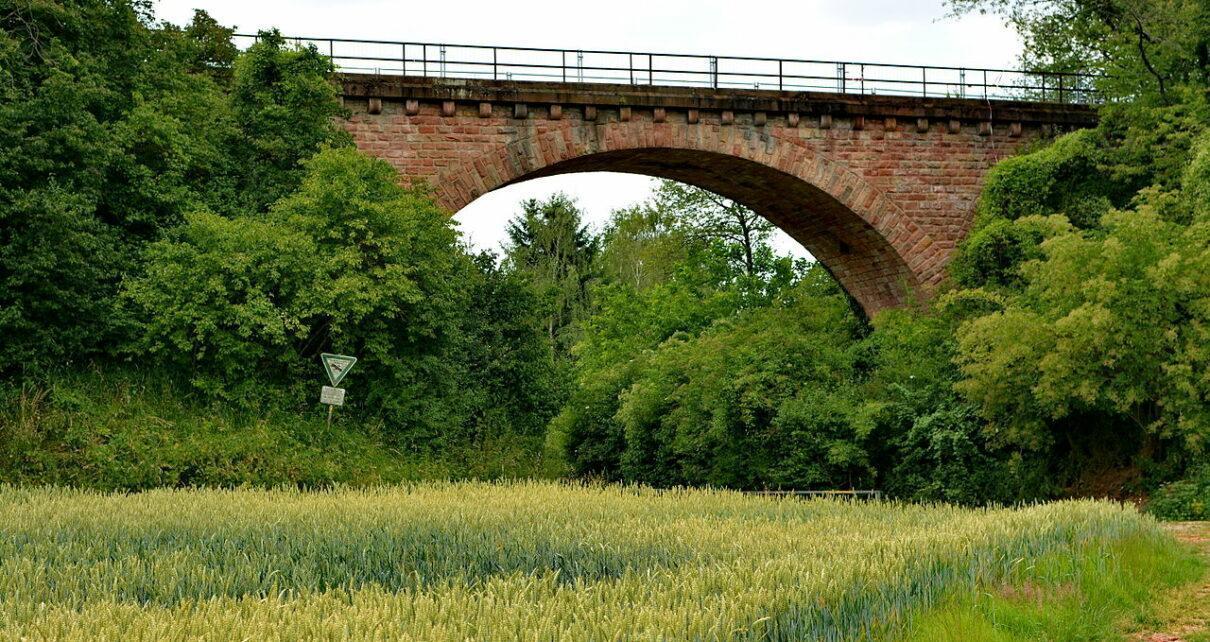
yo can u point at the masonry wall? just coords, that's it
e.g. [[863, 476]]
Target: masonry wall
[[880, 191]]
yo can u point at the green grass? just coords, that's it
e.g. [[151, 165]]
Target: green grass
[[546, 561], [1095, 593]]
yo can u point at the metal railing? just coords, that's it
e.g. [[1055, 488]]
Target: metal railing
[[687, 70]]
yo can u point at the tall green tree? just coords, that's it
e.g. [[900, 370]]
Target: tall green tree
[[708, 216], [106, 139], [112, 128], [669, 271], [1142, 49], [550, 243], [287, 107]]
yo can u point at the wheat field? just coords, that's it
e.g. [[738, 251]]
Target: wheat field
[[512, 561]]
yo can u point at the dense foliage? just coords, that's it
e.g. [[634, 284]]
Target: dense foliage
[[1067, 355], [171, 202], [192, 217]]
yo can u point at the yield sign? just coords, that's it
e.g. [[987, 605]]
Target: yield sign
[[337, 366]]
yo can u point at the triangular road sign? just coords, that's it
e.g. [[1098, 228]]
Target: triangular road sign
[[337, 366]]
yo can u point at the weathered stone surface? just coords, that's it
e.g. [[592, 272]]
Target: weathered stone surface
[[882, 206]]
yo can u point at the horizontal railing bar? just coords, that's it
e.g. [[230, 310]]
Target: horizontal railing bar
[[735, 84], [692, 72], [678, 55]]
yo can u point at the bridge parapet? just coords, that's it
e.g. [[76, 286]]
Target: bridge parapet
[[791, 104]]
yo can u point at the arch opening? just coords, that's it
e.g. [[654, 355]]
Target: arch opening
[[861, 258]]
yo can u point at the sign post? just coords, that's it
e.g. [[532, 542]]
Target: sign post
[[336, 366]]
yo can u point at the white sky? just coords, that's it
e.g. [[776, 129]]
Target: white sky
[[899, 31]]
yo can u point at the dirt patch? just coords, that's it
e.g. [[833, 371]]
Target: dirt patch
[[1035, 593]]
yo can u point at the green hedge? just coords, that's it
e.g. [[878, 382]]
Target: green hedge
[[132, 430]]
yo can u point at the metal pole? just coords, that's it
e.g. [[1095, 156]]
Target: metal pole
[[863, 79], [1060, 88], [650, 81], [563, 56], [843, 77], [630, 66], [779, 81], [424, 59], [495, 71], [403, 58], [924, 81], [984, 84]]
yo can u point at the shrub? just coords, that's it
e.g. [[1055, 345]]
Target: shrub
[[350, 263], [1060, 179], [1184, 500]]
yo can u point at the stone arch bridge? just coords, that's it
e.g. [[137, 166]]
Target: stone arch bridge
[[880, 189]]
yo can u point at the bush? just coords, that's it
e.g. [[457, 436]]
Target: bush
[[351, 263], [992, 255], [1184, 500], [1060, 179], [126, 429]]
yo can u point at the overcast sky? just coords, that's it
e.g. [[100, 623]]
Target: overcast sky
[[900, 31]]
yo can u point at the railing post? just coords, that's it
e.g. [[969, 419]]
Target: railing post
[[984, 84], [862, 79], [924, 81], [630, 66], [844, 77], [714, 71], [650, 66], [495, 68], [779, 81], [1060, 87], [424, 60], [962, 83], [563, 64], [331, 50], [403, 58]]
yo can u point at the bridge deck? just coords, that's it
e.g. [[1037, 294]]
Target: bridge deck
[[1064, 115]]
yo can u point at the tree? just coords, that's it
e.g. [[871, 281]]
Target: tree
[[287, 109], [112, 129], [1109, 325], [715, 218], [549, 242], [106, 139], [517, 383], [1142, 49], [676, 307], [643, 246], [350, 263]]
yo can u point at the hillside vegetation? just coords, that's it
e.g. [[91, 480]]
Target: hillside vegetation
[[185, 227]]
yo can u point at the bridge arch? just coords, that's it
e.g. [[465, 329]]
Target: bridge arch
[[876, 252], [881, 189]]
